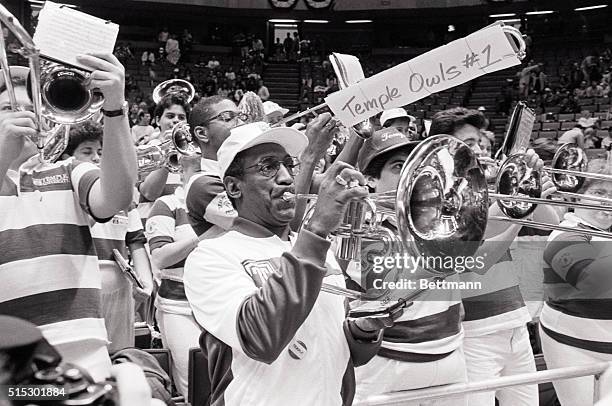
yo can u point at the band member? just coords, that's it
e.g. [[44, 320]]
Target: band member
[[171, 239], [576, 318], [496, 338], [423, 348], [274, 113], [48, 263], [211, 121], [400, 120], [171, 110], [271, 337], [124, 232]]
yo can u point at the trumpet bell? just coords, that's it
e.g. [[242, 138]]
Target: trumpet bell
[[442, 201], [173, 86], [569, 157], [65, 97], [365, 129], [515, 178]]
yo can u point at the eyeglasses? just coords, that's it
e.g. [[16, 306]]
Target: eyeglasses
[[228, 116], [269, 167]]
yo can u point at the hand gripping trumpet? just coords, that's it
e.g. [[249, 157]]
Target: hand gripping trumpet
[[59, 93], [167, 154]]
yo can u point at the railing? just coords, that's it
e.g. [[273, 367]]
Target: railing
[[438, 392]]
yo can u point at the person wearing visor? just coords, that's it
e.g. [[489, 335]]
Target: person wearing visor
[[48, 263], [423, 348], [400, 120], [271, 336], [274, 113]]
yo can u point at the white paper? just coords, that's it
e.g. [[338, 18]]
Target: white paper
[[485, 51], [347, 68], [63, 33]]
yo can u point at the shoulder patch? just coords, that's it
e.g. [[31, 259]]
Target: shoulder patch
[[260, 270]]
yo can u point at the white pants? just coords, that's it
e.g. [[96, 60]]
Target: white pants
[[384, 375], [577, 391], [179, 333], [502, 353]]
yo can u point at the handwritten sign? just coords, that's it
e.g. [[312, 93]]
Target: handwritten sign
[[63, 33], [485, 51]]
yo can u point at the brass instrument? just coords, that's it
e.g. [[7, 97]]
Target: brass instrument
[[167, 154], [59, 93], [171, 86]]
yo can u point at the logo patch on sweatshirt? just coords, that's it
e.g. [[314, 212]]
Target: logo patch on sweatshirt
[[260, 270]]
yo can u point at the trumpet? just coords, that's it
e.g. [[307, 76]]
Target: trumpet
[[168, 153], [59, 93], [173, 86]]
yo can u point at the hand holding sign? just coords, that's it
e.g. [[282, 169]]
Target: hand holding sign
[[485, 51]]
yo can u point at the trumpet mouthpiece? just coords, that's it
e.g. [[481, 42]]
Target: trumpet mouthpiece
[[287, 196]]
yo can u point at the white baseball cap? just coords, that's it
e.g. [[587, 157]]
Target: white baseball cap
[[249, 135], [271, 107], [393, 113]]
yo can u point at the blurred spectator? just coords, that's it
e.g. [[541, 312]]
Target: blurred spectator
[[258, 48], [581, 91], [525, 78], [262, 91], [230, 75], [590, 68], [163, 36], [144, 58], [576, 76], [240, 42], [288, 46], [142, 131], [213, 63], [278, 50], [594, 90], [549, 99], [186, 44], [172, 50]]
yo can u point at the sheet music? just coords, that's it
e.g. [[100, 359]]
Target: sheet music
[[63, 33], [347, 68]]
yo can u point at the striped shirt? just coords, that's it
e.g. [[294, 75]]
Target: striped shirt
[[145, 205], [430, 328], [48, 263], [498, 304], [168, 223], [206, 200], [122, 230], [578, 288]]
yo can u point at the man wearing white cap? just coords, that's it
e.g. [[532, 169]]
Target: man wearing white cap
[[271, 337], [577, 135], [274, 113], [401, 120]]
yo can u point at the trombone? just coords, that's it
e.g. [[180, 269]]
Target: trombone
[[59, 93]]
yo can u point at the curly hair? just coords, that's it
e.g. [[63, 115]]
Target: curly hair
[[449, 121], [170, 100], [80, 133]]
